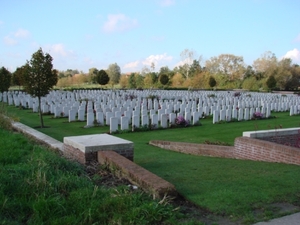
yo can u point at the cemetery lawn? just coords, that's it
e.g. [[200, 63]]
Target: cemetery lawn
[[241, 190], [40, 187]]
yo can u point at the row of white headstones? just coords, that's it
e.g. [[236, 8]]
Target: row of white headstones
[[154, 107]]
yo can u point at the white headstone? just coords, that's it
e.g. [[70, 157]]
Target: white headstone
[[154, 121], [72, 115], [135, 122], [124, 123], [164, 120], [113, 124], [81, 113]]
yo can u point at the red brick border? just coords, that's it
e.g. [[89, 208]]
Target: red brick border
[[244, 148]]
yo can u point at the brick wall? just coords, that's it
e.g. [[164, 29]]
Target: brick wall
[[289, 140], [85, 158], [196, 149], [146, 180], [244, 148], [261, 150]]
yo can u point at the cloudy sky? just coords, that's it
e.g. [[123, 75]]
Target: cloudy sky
[[135, 33]]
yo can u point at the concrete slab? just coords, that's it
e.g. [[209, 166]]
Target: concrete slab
[[91, 143]]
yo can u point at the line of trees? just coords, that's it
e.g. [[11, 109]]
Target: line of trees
[[225, 71]]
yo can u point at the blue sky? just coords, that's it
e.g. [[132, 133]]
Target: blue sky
[[134, 33]]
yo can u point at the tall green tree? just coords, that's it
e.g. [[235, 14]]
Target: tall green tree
[[102, 77], [212, 82], [139, 80], [195, 68], [114, 73], [5, 79], [131, 81], [18, 76], [271, 82], [164, 79], [39, 77], [233, 67], [92, 75]]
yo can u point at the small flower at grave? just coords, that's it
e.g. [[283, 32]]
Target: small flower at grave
[[258, 115], [237, 94], [179, 120]]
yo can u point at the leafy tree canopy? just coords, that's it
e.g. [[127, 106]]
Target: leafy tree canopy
[[271, 82], [102, 77], [114, 73], [212, 82], [39, 77], [163, 79], [5, 79]]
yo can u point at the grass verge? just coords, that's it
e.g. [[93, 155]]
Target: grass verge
[[40, 187], [238, 189]]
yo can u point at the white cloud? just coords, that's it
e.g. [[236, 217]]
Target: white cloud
[[157, 59], [119, 22], [183, 62], [132, 65], [167, 2], [12, 38], [61, 56], [9, 40], [21, 33], [293, 54]]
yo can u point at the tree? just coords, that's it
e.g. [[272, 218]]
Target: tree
[[249, 72], [271, 82], [71, 73], [199, 81], [92, 75], [114, 73], [195, 68], [177, 80], [150, 80], [187, 57], [212, 82], [18, 76], [163, 79], [102, 77], [39, 77], [123, 81], [231, 66], [5, 79], [139, 80], [267, 61], [131, 81], [251, 84]]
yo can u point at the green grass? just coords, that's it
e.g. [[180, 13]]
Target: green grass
[[238, 189], [40, 187]]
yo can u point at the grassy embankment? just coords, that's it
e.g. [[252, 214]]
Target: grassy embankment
[[238, 189]]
